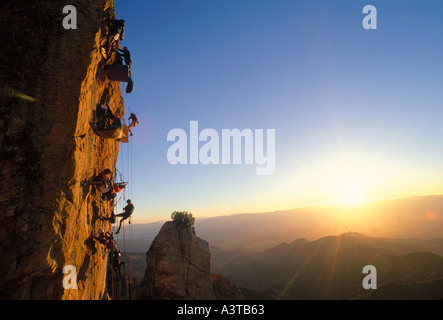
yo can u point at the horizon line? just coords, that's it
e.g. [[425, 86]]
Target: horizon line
[[323, 204]]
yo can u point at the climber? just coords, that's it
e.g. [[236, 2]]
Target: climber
[[106, 239], [113, 123], [102, 113], [117, 30], [126, 55], [134, 122], [105, 118], [103, 181], [116, 260], [128, 210], [111, 129], [108, 125]]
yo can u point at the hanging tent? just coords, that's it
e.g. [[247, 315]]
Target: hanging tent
[[125, 135], [113, 131], [116, 130], [118, 72], [122, 73]]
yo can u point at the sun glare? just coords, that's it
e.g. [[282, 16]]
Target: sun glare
[[351, 197], [351, 188], [346, 178]]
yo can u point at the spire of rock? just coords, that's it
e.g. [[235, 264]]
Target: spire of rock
[[178, 268]]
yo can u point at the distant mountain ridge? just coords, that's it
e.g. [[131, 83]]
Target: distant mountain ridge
[[401, 219], [331, 268]]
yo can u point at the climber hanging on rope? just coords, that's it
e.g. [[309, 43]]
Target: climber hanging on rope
[[134, 122], [106, 239], [128, 210], [117, 264]]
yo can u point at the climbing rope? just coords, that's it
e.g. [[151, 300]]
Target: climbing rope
[[126, 266], [100, 167], [112, 268], [130, 226], [124, 169], [127, 168]]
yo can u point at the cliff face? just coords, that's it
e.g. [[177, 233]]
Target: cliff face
[[51, 81], [178, 268]]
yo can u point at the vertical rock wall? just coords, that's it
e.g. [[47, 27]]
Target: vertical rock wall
[[51, 81]]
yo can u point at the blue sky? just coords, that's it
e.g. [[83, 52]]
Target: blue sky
[[355, 111]]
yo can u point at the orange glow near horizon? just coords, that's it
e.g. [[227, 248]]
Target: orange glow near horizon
[[351, 177], [432, 215], [348, 179]]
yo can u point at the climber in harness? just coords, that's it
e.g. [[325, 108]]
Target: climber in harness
[[103, 113], [117, 264], [126, 56], [108, 126], [105, 119], [117, 30], [128, 210], [134, 122], [103, 181], [105, 239], [112, 123]]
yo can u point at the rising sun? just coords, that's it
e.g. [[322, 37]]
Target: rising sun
[[351, 197], [351, 190]]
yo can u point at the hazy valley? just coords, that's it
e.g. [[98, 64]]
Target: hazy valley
[[319, 252]]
